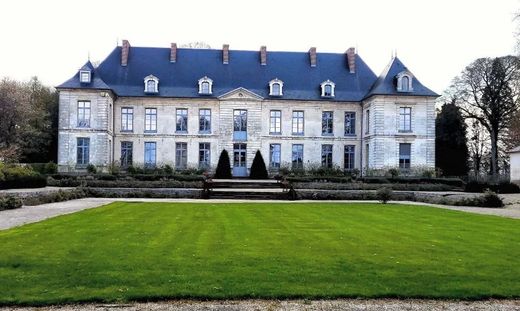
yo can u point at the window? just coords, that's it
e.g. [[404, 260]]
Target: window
[[83, 151], [127, 119], [84, 76], [150, 120], [204, 155], [367, 125], [83, 114], [405, 119], [367, 156], [276, 87], [350, 123], [182, 120], [150, 154], [181, 155], [275, 155], [348, 162], [275, 122], [151, 84], [327, 88], [326, 156], [327, 119], [205, 121], [297, 156], [297, 123], [126, 153], [239, 124], [205, 86], [405, 151], [404, 81]]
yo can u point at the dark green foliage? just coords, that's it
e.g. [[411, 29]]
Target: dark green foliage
[[491, 199], [384, 194], [223, 170], [502, 187], [258, 169], [18, 176], [131, 170], [451, 150], [91, 169], [58, 196], [10, 202], [168, 169], [393, 172]]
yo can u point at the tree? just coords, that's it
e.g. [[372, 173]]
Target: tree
[[513, 135], [258, 170], [451, 150], [223, 167], [487, 91], [478, 148]]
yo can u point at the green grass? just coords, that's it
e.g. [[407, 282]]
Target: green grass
[[140, 251]]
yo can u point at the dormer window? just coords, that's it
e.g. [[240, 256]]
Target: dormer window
[[276, 87], [404, 82], [205, 86], [84, 76], [327, 88], [151, 84]]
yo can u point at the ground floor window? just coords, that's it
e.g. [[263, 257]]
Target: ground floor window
[[405, 151], [150, 154], [297, 156], [326, 156], [367, 155], [204, 155], [83, 151], [275, 155], [181, 155], [126, 153], [349, 157]]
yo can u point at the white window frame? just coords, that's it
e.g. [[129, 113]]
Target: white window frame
[[275, 122], [272, 83], [205, 79], [332, 88], [405, 125], [156, 84], [400, 77], [85, 72]]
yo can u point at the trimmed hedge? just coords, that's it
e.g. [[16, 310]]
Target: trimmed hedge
[[124, 183], [10, 202], [502, 187], [28, 181]]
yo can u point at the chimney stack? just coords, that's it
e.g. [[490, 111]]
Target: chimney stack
[[263, 55], [125, 51], [173, 53], [351, 59], [225, 54], [312, 56]]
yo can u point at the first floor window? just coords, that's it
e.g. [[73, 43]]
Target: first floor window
[[84, 114], [297, 156], [83, 151], [150, 154], [326, 156], [350, 123], [181, 155], [205, 121], [204, 155], [182, 120], [127, 119], [297, 122], [150, 121], [126, 153], [405, 119], [367, 125], [275, 122], [405, 151], [275, 155], [349, 157], [327, 123]]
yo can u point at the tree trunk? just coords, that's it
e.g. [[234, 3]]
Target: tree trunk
[[494, 154]]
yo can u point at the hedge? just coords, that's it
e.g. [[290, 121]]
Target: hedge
[[28, 181], [502, 187]]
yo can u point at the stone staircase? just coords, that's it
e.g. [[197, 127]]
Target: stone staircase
[[244, 189]]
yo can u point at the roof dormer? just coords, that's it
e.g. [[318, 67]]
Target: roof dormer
[[205, 86], [404, 81], [276, 87], [327, 89], [151, 84], [85, 76]]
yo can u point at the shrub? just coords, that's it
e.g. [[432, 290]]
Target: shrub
[[223, 170], [393, 172], [131, 170], [91, 169], [258, 169], [10, 202], [491, 199], [114, 168], [508, 187], [29, 181], [384, 194], [51, 168], [168, 170], [481, 186]]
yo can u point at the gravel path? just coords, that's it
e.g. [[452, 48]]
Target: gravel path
[[286, 305]]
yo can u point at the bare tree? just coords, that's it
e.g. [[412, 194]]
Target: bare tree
[[487, 91], [478, 147]]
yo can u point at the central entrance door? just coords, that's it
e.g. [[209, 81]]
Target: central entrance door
[[239, 160]]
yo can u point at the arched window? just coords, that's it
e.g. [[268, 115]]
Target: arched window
[[151, 84], [404, 81], [205, 86], [276, 87], [327, 88]]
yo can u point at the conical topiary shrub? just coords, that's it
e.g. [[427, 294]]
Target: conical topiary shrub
[[258, 170], [223, 167]]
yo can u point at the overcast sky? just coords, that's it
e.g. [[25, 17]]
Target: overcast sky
[[436, 39]]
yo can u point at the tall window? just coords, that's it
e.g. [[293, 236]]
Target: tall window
[[126, 153], [350, 123], [150, 120], [367, 125], [182, 120], [205, 121], [327, 123], [405, 151], [83, 113], [127, 119], [367, 155], [204, 87], [275, 155], [405, 81], [405, 119], [276, 89], [326, 156], [275, 122], [349, 157], [239, 124], [297, 156], [150, 154], [181, 155], [83, 151], [204, 155], [297, 123]]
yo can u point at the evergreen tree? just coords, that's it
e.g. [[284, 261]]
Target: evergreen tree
[[223, 167], [451, 149], [258, 170]]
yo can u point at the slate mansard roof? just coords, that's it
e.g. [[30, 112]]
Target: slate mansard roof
[[301, 81]]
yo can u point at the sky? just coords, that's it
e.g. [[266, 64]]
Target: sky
[[435, 39]]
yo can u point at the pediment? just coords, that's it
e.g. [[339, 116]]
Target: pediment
[[240, 94]]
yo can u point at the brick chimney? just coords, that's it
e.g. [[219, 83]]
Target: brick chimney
[[351, 59], [173, 53], [263, 55], [125, 51], [225, 54], [312, 56]]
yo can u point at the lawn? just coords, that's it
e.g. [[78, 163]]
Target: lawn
[[140, 251]]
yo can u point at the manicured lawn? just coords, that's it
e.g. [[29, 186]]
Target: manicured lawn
[[136, 251]]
